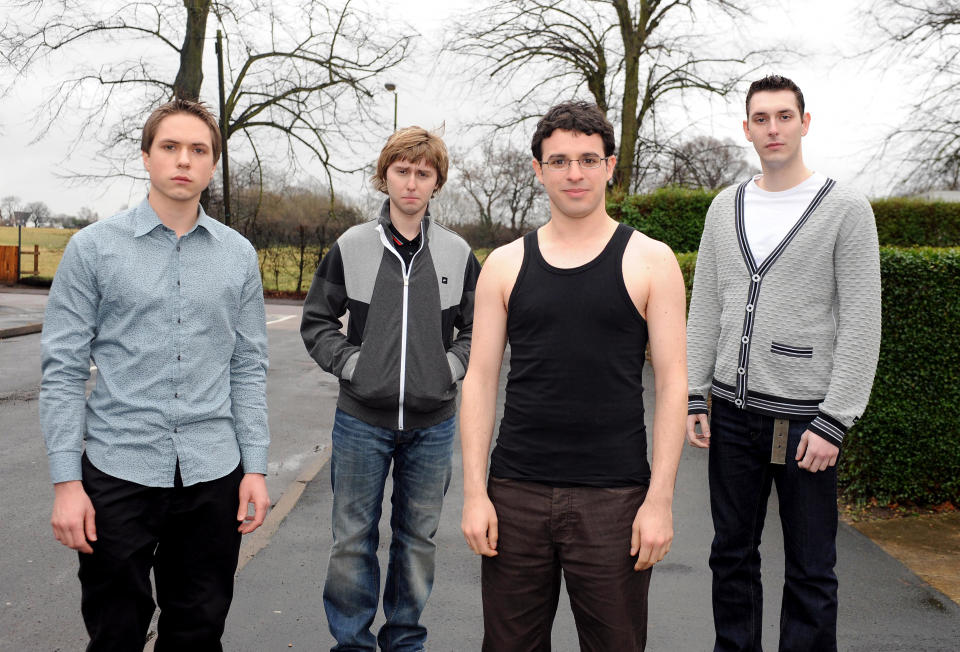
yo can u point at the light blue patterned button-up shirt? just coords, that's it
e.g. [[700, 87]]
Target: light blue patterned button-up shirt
[[177, 331]]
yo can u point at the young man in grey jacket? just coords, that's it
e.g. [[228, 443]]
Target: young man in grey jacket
[[784, 332], [407, 282]]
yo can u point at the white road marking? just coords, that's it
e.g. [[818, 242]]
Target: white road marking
[[280, 319]]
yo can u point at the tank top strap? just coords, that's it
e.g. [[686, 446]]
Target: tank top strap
[[618, 243]]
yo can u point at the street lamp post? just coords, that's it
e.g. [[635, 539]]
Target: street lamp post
[[390, 86]]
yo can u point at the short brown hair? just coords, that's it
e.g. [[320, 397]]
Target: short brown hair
[[198, 109], [412, 144], [775, 83]]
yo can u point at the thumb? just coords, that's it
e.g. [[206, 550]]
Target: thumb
[[801, 447], [492, 535], [242, 509]]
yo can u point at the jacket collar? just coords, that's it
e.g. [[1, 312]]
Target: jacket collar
[[384, 218]]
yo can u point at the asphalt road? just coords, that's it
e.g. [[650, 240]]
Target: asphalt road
[[883, 606]]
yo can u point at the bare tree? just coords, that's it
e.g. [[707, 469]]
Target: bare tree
[[40, 213], [302, 76], [630, 56], [926, 32], [707, 162]]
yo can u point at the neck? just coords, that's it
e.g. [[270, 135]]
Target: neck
[[777, 179], [178, 216], [407, 225], [597, 225]]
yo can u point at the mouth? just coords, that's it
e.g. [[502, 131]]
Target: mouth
[[575, 192], [774, 145], [182, 179]]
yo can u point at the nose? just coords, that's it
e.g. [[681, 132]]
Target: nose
[[574, 171], [183, 157]]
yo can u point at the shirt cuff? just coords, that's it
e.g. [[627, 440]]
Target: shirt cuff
[[696, 404], [65, 466], [456, 367], [254, 459], [829, 428]]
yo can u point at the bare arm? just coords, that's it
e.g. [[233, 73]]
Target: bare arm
[[478, 406], [652, 531]]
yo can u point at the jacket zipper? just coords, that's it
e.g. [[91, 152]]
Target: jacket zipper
[[406, 269]]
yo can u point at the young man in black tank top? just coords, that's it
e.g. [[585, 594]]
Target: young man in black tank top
[[570, 488]]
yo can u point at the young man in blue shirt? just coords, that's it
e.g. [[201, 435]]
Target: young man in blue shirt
[[167, 303]]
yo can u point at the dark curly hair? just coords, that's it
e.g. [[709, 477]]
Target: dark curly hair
[[584, 117]]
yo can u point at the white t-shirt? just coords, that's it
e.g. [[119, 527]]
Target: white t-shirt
[[769, 216]]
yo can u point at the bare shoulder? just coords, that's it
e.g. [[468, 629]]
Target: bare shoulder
[[505, 261], [645, 253]]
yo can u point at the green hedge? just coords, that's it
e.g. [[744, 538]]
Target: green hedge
[[672, 215], [675, 216], [906, 448], [909, 222]]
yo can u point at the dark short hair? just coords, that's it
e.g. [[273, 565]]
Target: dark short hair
[[584, 117], [196, 109], [775, 83]]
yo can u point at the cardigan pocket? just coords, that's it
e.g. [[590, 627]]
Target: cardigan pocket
[[791, 351]]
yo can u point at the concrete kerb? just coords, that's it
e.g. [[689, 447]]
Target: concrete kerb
[[17, 331]]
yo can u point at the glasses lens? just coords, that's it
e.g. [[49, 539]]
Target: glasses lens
[[590, 162]]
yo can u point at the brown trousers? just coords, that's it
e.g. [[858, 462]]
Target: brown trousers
[[583, 532]]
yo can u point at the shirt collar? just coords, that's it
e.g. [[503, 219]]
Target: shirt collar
[[384, 218], [146, 220]]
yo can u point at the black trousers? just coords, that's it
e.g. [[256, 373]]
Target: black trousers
[[188, 535], [741, 477]]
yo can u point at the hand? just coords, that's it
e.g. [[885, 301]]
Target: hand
[[701, 439], [73, 516], [815, 453], [479, 525], [652, 533], [253, 490]]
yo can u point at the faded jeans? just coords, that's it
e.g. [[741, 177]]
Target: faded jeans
[[362, 455]]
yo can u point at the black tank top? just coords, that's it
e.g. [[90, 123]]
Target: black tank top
[[574, 403]]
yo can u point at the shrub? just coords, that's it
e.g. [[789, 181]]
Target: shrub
[[672, 215], [908, 222], [907, 445]]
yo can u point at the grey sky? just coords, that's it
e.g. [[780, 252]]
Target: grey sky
[[852, 105]]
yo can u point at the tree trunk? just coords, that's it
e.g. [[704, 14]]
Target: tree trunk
[[630, 126], [190, 75]]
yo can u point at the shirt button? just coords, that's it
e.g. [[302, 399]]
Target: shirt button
[[178, 429], [756, 278], [178, 320], [178, 282], [178, 357], [176, 395], [178, 248], [749, 307], [745, 339]]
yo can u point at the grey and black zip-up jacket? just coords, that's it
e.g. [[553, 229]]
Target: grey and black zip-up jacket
[[797, 336], [399, 362]]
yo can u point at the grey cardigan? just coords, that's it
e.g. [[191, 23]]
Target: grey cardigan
[[798, 336]]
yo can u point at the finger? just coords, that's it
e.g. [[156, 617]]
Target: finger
[[493, 535], [705, 426], [244, 507], [90, 524], [77, 540], [802, 449]]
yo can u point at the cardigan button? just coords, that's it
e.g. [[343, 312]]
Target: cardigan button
[[745, 339], [741, 371], [738, 402], [756, 278], [749, 307]]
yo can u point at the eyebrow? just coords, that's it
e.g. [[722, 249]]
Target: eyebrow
[[171, 141], [778, 112], [553, 156]]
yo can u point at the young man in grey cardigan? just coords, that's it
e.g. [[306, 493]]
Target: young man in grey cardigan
[[784, 332]]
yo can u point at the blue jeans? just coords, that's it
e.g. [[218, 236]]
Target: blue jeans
[[361, 458], [740, 479]]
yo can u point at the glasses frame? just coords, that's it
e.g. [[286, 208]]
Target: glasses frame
[[569, 161]]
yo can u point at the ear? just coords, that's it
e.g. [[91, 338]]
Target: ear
[[537, 169], [806, 124], [611, 166], [146, 160], [746, 131]]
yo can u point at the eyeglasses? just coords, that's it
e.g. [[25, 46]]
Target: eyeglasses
[[586, 163]]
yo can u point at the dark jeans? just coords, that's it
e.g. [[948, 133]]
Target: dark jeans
[[740, 478], [188, 535], [583, 531]]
